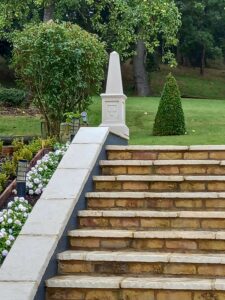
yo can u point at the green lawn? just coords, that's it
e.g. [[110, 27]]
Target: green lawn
[[205, 121]]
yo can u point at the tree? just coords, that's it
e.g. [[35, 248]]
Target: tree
[[135, 27], [61, 65], [169, 119], [202, 33]]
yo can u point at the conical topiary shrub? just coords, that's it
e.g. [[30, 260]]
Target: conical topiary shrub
[[169, 119]]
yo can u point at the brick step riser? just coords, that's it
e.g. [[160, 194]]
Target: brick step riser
[[164, 155], [156, 204], [160, 186], [74, 267], [148, 244], [164, 170], [141, 223], [131, 294]]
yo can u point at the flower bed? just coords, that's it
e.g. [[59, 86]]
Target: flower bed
[[15, 215], [12, 220]]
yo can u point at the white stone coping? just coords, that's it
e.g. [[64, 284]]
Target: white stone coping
[[138, 256], [167, 148], [150, 234], [142, 195], [117, 282], [25, 265], [168, 178], [106, 163], [152, 214], [169, 195]]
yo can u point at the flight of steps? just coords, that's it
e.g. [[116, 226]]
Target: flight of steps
[[154, 229]]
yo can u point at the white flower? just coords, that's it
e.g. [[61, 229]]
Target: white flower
[[8, 243], [31, 192], [17, 222], [37, 191], [10, 221], [10, 204], [1, 219], [36, 180], [11, 238], [5, 253]]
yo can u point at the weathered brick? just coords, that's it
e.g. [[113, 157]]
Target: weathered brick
[[141, 268], [64, 294], [214, 203], [209, 295], [155, 223], [137, 295], [172, 295], [196, 155], [101, 294], [147, 244], [216, 170], [213, 224], [163, 186], [195, 170], [159, 203], [135, 186], [115, 243], [185, 223], [119, 155], [192, 186], [180, 269], [182, 245], [84, 242], [211, 245], [217, 155], [130, 203], [94, 222], [187, 203], [216, 186], [140, 170], [211, 270], [166, 170], [75, 267], [124, 222], [111, 267], [144, 155], [114, 170], [101, 203], [108, 185]]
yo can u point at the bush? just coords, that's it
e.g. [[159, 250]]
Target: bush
[[1, 145], [169, 119], [3, 180], [62, 65], [12, 97]]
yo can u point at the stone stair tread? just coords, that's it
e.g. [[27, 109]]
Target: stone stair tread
[[171, 178], [134, 256], [140, 195], [116, 282], [152, 214], [152, 234], [158, 162], [167, 148]]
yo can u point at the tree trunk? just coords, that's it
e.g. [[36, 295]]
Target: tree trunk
[[140, 74], [49, 11], [202, 69]]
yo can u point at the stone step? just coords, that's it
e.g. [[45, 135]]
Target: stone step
[[162, 167], [159, 183], [156, 201], [126, 219], [165, 152], [151, 240], [73, 287], [141, 263]]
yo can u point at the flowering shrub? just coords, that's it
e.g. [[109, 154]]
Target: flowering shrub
[[12, 220], [41, 173]]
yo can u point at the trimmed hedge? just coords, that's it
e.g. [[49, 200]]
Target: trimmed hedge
[[169, 119], [12, 97]]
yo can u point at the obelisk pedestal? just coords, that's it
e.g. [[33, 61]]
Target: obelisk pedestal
[[113, 101]]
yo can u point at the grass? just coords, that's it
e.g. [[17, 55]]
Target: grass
[[205, 120]]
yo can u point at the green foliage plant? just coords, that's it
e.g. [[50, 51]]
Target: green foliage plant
[[3, 180], [1, 145], [62, 65], [169, 119], [12, 97], [8, 168], [70, 116]]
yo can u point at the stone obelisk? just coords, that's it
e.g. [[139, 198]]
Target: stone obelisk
[[113, 101]]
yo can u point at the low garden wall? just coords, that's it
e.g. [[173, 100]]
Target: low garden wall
[[32, 258]]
